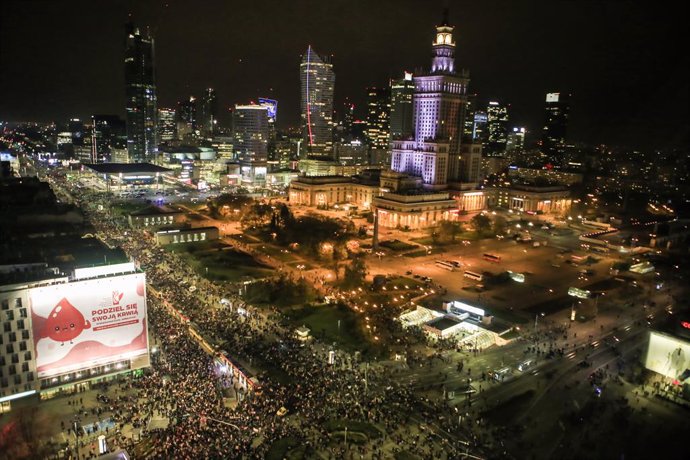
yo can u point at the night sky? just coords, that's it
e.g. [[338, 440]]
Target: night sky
[[624, 62]]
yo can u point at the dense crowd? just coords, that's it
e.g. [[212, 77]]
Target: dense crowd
[[184, 385]]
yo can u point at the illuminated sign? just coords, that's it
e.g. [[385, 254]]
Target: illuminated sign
[[668, 355], [468, 308], [685, 324], [271, 107], [553, 97], [85, 324], [579, 293]]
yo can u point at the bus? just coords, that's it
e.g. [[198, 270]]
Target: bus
[[445, 265], [492, 258], [473, 276]]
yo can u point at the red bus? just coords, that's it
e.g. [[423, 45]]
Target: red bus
[[492, 258]]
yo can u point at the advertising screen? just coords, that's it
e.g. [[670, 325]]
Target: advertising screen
[[88, 323], [667, 355]]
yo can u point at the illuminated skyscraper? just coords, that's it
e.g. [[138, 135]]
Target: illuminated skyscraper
[[402, 92], [208, 116], [167, 125], [516, 140], [250, 127], [141, 96], [108, 132], [186, 118], [555, 123], [378, 117], [317, 85], [439, 97], [497, 125]]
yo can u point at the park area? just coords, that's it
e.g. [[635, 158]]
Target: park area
[[219, 262]]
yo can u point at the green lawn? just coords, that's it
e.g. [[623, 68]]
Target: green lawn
[[278, 253], [323, 322], [214, 261], [397, 245]]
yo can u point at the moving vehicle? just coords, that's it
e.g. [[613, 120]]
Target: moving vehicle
[[445, 265], [492, 258], [473, 276]]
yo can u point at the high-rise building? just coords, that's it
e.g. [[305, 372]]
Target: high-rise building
[[141, 95], [167, 125], [251, 134], [556, 114], [468, 118], [378, 117], [497, 126], [516, 140], [480, 132], [108, 132], [317, 86], [439, 97], [208, 116], [402, 92], [186, 118]]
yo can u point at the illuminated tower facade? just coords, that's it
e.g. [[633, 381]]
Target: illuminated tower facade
[[317, 85], [402, 92], [378, 117], [497, 125], [437, 113], [141, 96], [556, 113], [208, 118]]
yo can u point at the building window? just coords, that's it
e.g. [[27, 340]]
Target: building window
[[27, 356], [25, 367], [13, 336], [17, 303], [9, 348], [10, 315], [12, 369], [5, 304], [7, 326], [30, 377], [17, 379], [15, 358], [22, 346]]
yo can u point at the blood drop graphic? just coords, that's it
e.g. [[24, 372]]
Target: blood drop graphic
[[65, 322]]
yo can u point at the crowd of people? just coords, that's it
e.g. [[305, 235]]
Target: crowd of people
[[185, 388]]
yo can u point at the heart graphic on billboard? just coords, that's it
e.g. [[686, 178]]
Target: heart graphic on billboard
[[65, 323], [117, 296]]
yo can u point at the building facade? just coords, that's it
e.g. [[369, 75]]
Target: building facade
[[556, 112], [316, 99], [208, 114], [62, 332], [497, 126], [402, 93], [142, 143], [438, 108], [378, 117], [167, 125], [251, 132]]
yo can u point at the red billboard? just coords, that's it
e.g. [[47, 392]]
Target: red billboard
[[90, 323]]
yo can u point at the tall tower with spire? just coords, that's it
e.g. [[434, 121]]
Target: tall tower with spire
[[438, 109], [317, 84]]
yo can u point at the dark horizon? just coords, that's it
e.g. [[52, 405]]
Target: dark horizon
[[617, 59]]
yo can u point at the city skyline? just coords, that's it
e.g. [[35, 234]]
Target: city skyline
[[537, 53]]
